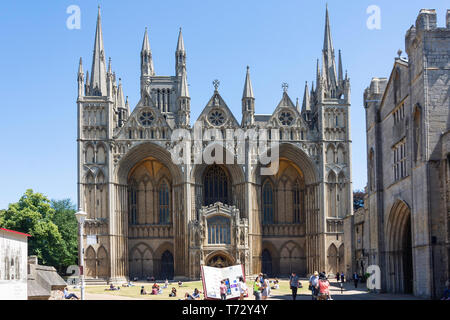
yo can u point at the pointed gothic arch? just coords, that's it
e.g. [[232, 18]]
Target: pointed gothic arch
[[102, 263], [399, 249], [332, 259]]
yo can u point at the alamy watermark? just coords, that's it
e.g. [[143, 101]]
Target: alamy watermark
[[374, 280], [74, 19], [374, 20]]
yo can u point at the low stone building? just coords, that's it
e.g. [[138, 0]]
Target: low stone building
[[44, 283], [408, 161]]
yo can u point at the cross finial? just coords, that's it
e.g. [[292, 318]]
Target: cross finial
[[285, 86], [216, 84]]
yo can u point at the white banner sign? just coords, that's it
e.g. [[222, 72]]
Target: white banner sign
[[211, 278]]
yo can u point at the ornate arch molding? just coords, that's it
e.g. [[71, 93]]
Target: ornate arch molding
[[222, 253], [395, 226], [293, 153], [234, 170], [142, 151]]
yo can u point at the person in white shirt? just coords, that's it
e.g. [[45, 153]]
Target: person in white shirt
[[242, 288]]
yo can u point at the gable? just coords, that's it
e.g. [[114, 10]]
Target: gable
[[217, 114]]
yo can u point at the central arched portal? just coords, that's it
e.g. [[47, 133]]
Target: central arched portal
[[399, 255]]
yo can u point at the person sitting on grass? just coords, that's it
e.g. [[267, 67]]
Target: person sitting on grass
[[173, 293], [143, 290], [194, 296], [276, 284], [166, 284], [69, 296], [112, 288], [180, 283], [155, 289]]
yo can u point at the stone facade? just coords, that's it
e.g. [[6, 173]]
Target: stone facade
[[13, 265], [148, 216], [407, 121]]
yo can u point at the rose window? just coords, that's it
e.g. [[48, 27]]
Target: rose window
[[216, 118], [285, 118], [146, 118]]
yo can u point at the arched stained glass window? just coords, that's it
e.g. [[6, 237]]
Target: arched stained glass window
[[215, 186], [163, 203], [219, 230], [267, 203]]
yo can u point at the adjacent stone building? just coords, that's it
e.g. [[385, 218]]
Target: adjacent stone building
[[13, 264], [148, 216], [408, 164]]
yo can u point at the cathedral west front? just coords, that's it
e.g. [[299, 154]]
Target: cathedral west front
[[149, 215]]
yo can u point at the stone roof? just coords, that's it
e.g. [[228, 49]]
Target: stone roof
[[42, 280]]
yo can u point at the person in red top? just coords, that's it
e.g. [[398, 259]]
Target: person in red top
[[223, 290], [324, 288]]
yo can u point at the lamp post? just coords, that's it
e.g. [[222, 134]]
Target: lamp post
[[81, 216]]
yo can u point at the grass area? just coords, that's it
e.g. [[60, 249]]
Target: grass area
[[189, 286]]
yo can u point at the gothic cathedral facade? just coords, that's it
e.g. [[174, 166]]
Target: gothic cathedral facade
[[148, 216]]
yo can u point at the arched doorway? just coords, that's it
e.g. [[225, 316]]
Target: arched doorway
[[167, 270], [400, 276], [267, 263], [332, 259]]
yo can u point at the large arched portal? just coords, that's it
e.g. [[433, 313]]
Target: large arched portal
[[150, 194], [399, 249], [150, 198]]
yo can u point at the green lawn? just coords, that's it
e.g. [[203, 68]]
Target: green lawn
[[188, 286]]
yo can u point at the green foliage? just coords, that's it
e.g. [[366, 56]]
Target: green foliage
[[64, 218], [52, 226]]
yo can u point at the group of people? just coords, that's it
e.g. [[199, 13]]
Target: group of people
[[261, 287], [319, 286]]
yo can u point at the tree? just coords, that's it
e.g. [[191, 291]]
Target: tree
[[358, 199], [48, 224], [64, 218]]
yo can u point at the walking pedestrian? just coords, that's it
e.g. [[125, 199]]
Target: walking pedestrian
[[242, 288], [337, 276], [313, 282], [355, 279], [266, 287], [293, 283], [324, 288]]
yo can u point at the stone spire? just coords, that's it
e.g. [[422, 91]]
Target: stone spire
[[248, 102], [248, 89], [306, 105], [184, 90], [329, 66], [184, 100], [340, 73], [147, 68], [120, 100], [180, 55], [98, 72], [80, 78]]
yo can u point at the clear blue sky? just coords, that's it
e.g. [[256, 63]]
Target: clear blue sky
[[279, 40]]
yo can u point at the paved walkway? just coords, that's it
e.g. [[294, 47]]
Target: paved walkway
[[349, 293]]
